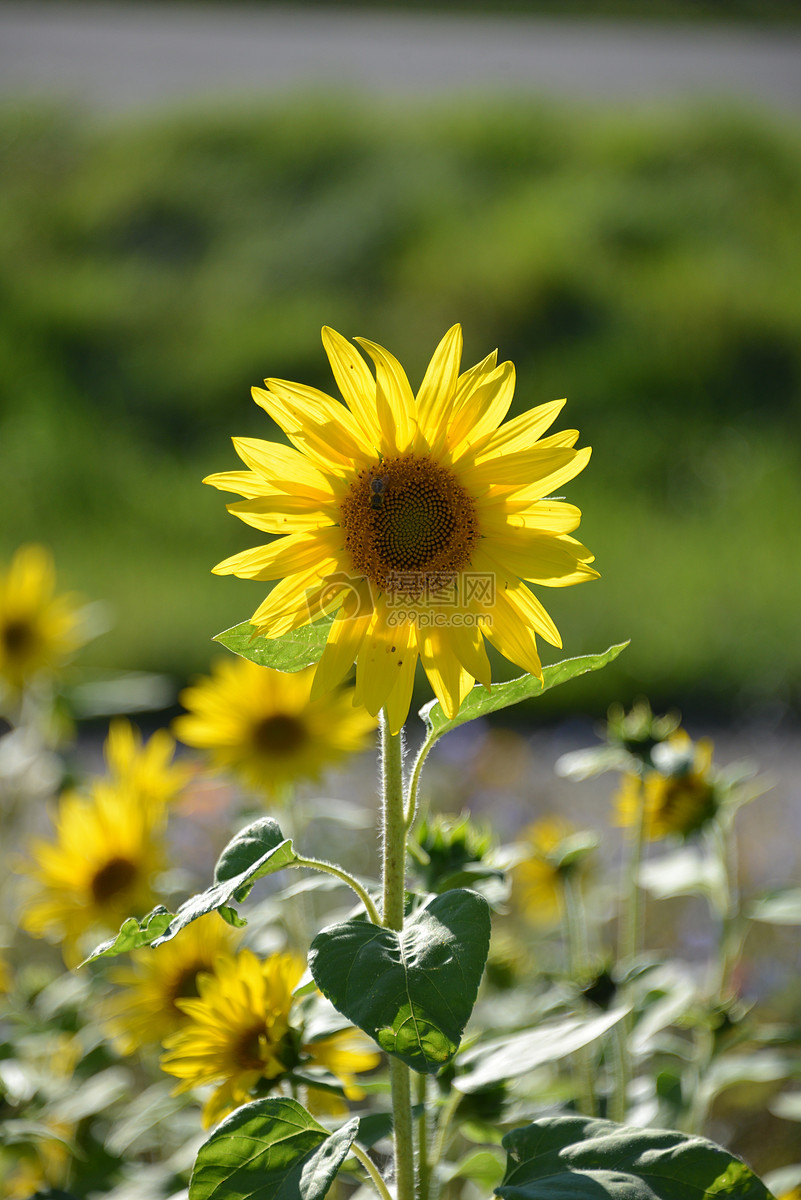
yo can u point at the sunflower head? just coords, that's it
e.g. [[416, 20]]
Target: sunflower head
[[678, 796], [553, 849], [263, 725], [97, 870], [39, 630], [239, 1036], [418, 520], [146, 1007]]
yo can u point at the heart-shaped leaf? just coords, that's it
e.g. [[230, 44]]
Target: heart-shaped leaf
[[413, 991], [295, 650], [577, 1158], [256, 851], [479, 702], [269, 1149]]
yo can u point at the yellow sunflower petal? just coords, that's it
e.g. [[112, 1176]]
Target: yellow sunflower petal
[[340, 653], [295, 552], [384, 653], [354, 381], [552, 561], [394, 400], [243, 483], [284, 513], [504, 515], [397, 703], [481, 404], [525, 467], [448, 678], [436, 395], [277, 463], [521, 432], [468, 646]]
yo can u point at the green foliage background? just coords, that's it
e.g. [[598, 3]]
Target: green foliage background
[[646, 265]]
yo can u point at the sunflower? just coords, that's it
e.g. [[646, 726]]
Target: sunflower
[[97, 871], [38, 629], [416, 520], [239, 1036], [145, 768], [679, 796], [145, 1011], [537, 880], [263, 725]]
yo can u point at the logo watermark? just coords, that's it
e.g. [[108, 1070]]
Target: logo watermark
[[426, 599]]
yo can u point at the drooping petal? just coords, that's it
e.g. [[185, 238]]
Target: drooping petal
[[295, 601], [384, 654], [341, 651], [397, 703], [447, 676], [468, 646]]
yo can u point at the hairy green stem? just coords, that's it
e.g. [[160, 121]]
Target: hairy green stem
[[423, 1163], [320, 864], [372, 1171], [414, 779], [394, 893]]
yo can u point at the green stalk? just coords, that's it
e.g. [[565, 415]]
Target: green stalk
[[394, 890], [320, 864], [423, 1162], [630, 915], [372, 1171], [577, 957]]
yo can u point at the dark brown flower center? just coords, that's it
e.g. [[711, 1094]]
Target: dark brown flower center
[[18, 638], [184, 986], [408, 517], [248, 1051], [113, 877], [278, 734]]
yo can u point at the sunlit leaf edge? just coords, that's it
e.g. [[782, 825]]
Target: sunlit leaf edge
[[480, 702], [160, 925], [243, 1125], [291, 652]]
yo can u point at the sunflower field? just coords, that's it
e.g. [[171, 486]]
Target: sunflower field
[[355, 901]]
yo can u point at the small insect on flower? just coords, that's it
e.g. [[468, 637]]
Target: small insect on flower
[[378, 487]]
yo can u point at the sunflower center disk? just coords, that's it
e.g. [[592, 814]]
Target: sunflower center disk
[[278, 735], [409, 524], [113, 877]]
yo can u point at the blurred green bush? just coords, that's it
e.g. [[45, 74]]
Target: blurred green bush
[[647, 265]]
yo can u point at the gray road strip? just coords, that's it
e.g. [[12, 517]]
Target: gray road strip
[[134, 56]]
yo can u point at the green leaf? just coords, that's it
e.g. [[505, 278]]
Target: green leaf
[[779, 908], [269, 1149], [413, 991], [480, 702], [256, 851], [505, 1058], [133, 934], [578, 1158], [295, 650]]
